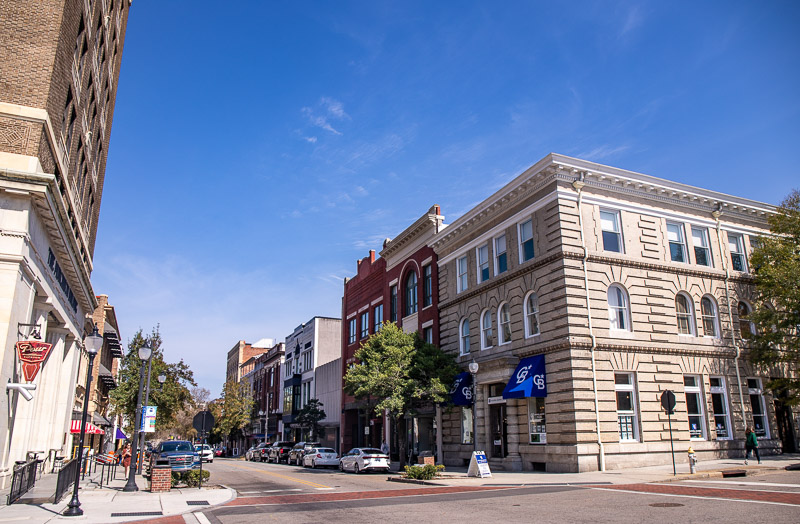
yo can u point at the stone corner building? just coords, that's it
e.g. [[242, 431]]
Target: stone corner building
[[627, 285], [59, 67]]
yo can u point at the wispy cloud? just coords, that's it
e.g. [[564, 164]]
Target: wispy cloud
[[327, 109], [634, 18], [603, 151]]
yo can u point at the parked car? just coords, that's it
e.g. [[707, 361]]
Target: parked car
[[219, 452], [364, 459], [205, 452], [317, 457], [248, 455], [179, 454], [279, 451], [298, 450], [255, 452], [263, 453]]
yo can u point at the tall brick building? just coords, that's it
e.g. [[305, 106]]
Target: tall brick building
[[59, 69]]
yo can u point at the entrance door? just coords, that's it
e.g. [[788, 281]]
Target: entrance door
[[783, 419], [497, 418]]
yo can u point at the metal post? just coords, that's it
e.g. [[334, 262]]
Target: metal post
[[74, 506], [671, 445], [146, 403], [474, 412], [131, 484]]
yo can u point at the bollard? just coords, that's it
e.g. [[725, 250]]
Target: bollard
[[692, 462]]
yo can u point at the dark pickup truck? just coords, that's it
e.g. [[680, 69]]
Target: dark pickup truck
[[179, 454]]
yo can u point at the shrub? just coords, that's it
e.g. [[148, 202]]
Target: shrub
[[192, 478], [426, 472], [176, 478]]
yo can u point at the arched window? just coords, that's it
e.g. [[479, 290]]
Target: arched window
[[531, 315], [619, 313], [487, 335], [710, 316], [503, 324], [411, 293], [685, 314], [746, 328], [465, 336]]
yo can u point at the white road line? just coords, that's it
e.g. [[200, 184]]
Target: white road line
[[695, 497], [202, 519], [275, 490], [323, 489], [740, 483]]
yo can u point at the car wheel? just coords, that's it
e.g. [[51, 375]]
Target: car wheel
[[313, 464], [341, 467], [210, 461], [356, 469]]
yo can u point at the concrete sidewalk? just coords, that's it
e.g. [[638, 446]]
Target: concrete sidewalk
[[705, 469], [110, 504]]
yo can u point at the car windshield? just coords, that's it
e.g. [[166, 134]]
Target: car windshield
[[371, 451], [176, 446], [325, 450]]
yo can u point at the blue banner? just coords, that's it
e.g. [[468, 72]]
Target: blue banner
[[528, 380], [461, 392]]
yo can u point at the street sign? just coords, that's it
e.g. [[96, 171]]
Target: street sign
[[149, 419], [203, 422], [668, 401]]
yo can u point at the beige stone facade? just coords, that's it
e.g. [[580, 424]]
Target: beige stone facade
[[660, 258]]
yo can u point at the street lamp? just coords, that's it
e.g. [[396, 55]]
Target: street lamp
[[162, 378], [146, 403], [92, 343], [144, 356], [473, 369]]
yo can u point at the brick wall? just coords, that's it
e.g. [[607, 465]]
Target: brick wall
[[161, 479]]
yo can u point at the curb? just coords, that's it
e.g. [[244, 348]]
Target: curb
[[412, 481], [719, 474]]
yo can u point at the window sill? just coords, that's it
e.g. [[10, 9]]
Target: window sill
[[504, 343], [427, 307], [620, 333], [533, 337]]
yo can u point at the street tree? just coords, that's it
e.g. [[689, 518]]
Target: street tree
[[170, 397], [233, 411], [775, 341], [397, 372], [181, 426], [309, 417]]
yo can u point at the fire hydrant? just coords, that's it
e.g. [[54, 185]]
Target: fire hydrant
[[692, 462]]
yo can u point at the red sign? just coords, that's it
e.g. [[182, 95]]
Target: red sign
[[32, 354]]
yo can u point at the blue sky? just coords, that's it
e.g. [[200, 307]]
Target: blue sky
[[260, 148]]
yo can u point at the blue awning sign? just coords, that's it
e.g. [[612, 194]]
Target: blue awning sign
[[461, 392], [528, 380]]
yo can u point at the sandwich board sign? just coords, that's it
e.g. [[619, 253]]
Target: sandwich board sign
[[479, 465]]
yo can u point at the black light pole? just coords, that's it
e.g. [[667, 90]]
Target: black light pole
[[146, 403], [473, 369], [144, 356], [92, 344]]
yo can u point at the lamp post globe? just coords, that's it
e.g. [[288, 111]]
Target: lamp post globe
[[145, 352], [162, 378], [473, 369]]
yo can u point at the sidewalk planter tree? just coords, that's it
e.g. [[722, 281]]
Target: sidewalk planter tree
[[232, 411], [309, 417]]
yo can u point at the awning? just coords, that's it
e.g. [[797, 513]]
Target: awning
[[528, 380], [91, 429], [121, 435], [100, 420], [112, 339], [461, 392], [106, 377]]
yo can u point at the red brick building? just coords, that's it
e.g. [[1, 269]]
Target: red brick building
[[267, 392]]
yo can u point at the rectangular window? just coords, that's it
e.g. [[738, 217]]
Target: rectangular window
[[482, 254], [393, 304], [365, 324], [287, 399], [702, 253], [719, 404], [759, 407], [427, 286], [427, 335], [377, 317], [612, 237], [461, 270], [536, 421], [736, 246], [677, 242], [466, 425], [525, 241], [500, 255], [694, 406], [352, 332], [626, 406]]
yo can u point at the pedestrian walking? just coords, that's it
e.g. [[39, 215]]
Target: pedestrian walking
[[126, 458], [751, 444]]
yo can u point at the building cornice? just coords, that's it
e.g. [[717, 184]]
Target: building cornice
[[428, 224]]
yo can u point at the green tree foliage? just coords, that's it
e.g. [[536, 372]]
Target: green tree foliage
[[309, 417], [170, 397], [397, 372], [233, 411], [775, 345]]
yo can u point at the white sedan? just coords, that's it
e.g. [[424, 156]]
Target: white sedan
[[320, 457], [364, 459], [205, 452]]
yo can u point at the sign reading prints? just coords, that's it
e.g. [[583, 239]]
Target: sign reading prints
[[32, 354]]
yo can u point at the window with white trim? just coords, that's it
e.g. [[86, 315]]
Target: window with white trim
[[684, 313], [531, 315], [746, 328], [487, 334], [392, 303], [759, 407], [461, 271], [695, 407], [702, 251], [427, 286], [619, 314], [411, 293], [710, 315], [365, 324], [352, 333], [736, 247], [677, 242], [464, 330], [612, 234], [719, 405], [466, 425], [500, 255], [504, 324], [526, 241], [427, 335], [377, 317], [537, 428], [482, 256], [627, 413]]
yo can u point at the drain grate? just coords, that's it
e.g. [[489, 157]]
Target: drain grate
[[666, 505], [139, 514], [197, 503]]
